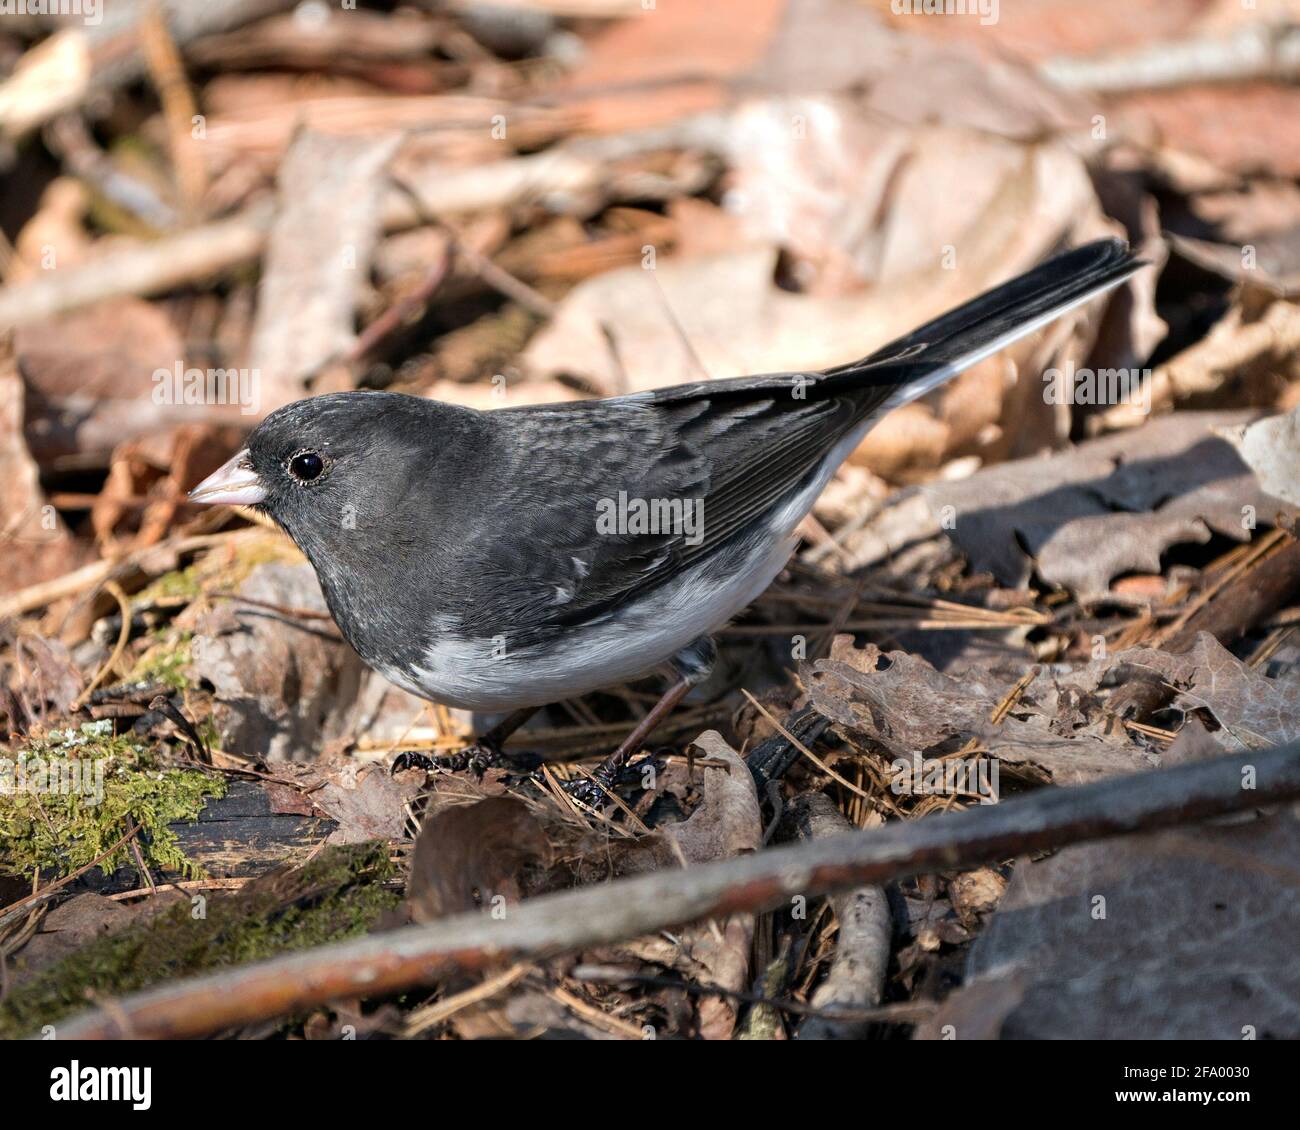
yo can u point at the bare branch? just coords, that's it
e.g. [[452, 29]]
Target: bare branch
[[556, 924], [857, 974]]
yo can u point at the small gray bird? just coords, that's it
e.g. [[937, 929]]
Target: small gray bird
[[499, 561]]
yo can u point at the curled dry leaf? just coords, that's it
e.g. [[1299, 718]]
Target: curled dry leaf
[[1253, 710], [365, 801], [727, 823], [1041, 31], [737, 321], [872, 260], [695, 58], [91, 375], [149, 476], [470, 856], [40, 674], [976, 892], [1189, 119], [283, 683], [1250, 357], [1271, 261], [56, 234]]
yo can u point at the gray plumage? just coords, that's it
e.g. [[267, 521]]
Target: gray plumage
[[459, 551]]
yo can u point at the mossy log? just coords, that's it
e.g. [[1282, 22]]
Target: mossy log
[[235, 836]]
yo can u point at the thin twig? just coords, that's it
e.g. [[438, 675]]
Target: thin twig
[[498, 278], [115, 590], [905, 1013], [422, 1019]]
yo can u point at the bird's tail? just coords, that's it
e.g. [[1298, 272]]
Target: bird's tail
[[940, 349]]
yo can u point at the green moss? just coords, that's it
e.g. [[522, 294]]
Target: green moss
[[208, 733], [223, 569], [165, 662], [265, 548], [177, 583], [339, 894], [66, 797]]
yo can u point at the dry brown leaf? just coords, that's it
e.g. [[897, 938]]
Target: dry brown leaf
[[900, 703], [36, 544], [1271, 261], [1271, 448], [42, 676], [470, 856], [55, 236], [1243, 213], [1046, 28], [317, 258], [159, 467], [693, 58], [1249, 358], [976, 892], [365, 801], [1199, 120], [1108, 506], [1192, 743], [91, 380], [832, 45], [1253, 710], [283, 684], [685, 52], [81, 921], [735, 319], [1186, 933], [727, 823], [861, 216]]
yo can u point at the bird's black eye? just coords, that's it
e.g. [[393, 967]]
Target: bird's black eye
[[305, 466]]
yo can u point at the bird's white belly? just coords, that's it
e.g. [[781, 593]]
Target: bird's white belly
[[486, 675]]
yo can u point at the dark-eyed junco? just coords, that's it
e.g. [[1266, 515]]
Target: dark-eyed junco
[[498, 561]]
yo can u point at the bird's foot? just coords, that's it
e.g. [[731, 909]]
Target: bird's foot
[[596, 790], [589, 790], [478, 758], [412, 759]]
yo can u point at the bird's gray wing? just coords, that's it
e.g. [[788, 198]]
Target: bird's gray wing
[[561, 472], [740, 448]]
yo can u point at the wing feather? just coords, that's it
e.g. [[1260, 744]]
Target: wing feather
[[741, 448]]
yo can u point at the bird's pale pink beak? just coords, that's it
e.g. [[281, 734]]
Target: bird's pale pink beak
[[234, 483]]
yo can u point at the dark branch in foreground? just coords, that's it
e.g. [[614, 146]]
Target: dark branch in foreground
[[556, 924]]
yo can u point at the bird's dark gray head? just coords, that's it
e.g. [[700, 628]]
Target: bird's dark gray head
[[333, 467]]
